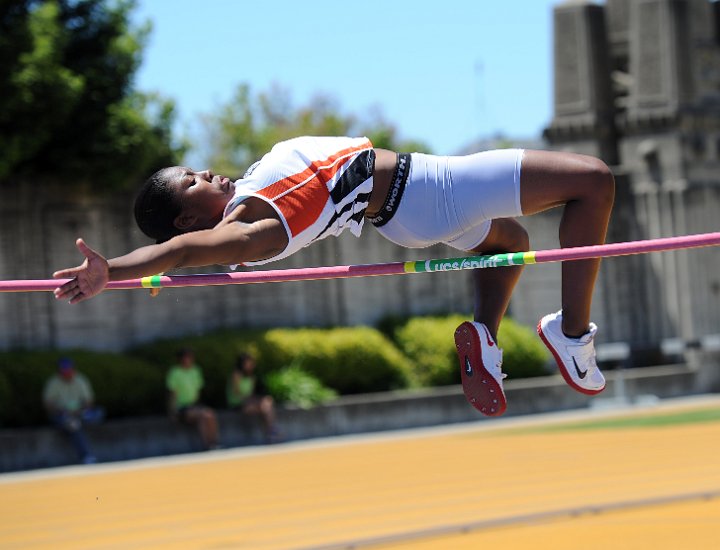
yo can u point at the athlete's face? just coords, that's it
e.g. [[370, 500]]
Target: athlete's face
[[203, 196]]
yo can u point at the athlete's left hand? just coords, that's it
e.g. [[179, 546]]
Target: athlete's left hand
[[87, 280]]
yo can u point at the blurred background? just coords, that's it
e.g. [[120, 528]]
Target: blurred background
[[98, 94]]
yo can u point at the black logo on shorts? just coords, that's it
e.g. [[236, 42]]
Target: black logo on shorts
[[395, 193]]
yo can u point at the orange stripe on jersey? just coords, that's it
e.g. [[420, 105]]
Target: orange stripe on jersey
[[303, 206], [301, 197]]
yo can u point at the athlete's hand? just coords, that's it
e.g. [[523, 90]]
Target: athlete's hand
[[87, 280]]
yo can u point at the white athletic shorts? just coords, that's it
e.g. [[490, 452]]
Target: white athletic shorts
[[453, 200]]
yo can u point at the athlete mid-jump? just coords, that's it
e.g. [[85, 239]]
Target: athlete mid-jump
[[308, 188]]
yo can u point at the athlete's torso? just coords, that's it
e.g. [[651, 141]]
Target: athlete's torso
[[318, 186]]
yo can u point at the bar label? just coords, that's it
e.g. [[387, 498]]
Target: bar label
[[471, 262]]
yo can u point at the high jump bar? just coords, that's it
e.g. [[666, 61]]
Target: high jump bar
[[394, 268]]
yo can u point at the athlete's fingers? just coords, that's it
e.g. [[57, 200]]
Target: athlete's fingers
[[66, 294], [68, 273], [85, 249], [71, 288], [79, 297], [86, 280], [73, 271], [64, 291], [70, 292], [74, 292]]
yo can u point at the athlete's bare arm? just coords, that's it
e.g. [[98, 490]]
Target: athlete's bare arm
[[228, 243]]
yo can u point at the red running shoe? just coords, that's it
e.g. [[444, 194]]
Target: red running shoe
[[481, 368]]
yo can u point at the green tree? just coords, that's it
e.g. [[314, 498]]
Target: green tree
[[69, 110], [248, 125]]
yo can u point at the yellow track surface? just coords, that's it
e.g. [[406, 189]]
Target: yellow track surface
[[484, 486]]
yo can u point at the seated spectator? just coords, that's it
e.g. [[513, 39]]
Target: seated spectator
[[184, 382], [68, 398], [243, 395]]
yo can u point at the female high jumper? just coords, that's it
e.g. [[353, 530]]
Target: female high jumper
[[308, 188]]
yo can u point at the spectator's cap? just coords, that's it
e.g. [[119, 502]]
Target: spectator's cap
[[65, 363]]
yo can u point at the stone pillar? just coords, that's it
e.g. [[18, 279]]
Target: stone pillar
[[583, 96], [659, 57]]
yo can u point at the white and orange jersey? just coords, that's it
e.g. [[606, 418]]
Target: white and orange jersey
[[319, 186]]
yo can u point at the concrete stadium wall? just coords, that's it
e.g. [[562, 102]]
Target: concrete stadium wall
[[638, 299]]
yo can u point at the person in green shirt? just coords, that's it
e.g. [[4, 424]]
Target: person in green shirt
[[184, 382], [68, 399], [243, 395]]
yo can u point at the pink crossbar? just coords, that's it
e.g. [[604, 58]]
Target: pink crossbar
[[370, 270]]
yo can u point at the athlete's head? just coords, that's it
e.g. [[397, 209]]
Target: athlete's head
[[178, 200]]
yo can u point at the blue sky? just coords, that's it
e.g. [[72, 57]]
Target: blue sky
[[443, 72]]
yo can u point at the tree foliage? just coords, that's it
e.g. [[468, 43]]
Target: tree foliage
[[69, 109], [241, 131]]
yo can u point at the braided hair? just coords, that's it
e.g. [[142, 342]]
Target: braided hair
[[156, 207]]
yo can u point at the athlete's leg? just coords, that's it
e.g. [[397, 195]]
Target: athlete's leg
[[476, 343], [493, 287], [585, 186]]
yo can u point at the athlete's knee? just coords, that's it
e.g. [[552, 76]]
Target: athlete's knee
[[521, 238], [599, 181]]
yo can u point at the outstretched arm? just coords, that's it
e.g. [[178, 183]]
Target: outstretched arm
[[226, 244]]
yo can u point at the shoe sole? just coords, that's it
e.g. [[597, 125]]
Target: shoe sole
[[481, 389], [561, 366]]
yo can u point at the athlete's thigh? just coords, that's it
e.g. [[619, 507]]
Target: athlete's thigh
[[486, 185], [553, 178], [505, 235]]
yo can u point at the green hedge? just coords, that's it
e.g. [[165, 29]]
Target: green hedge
[[348, 360], [295, 386]]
